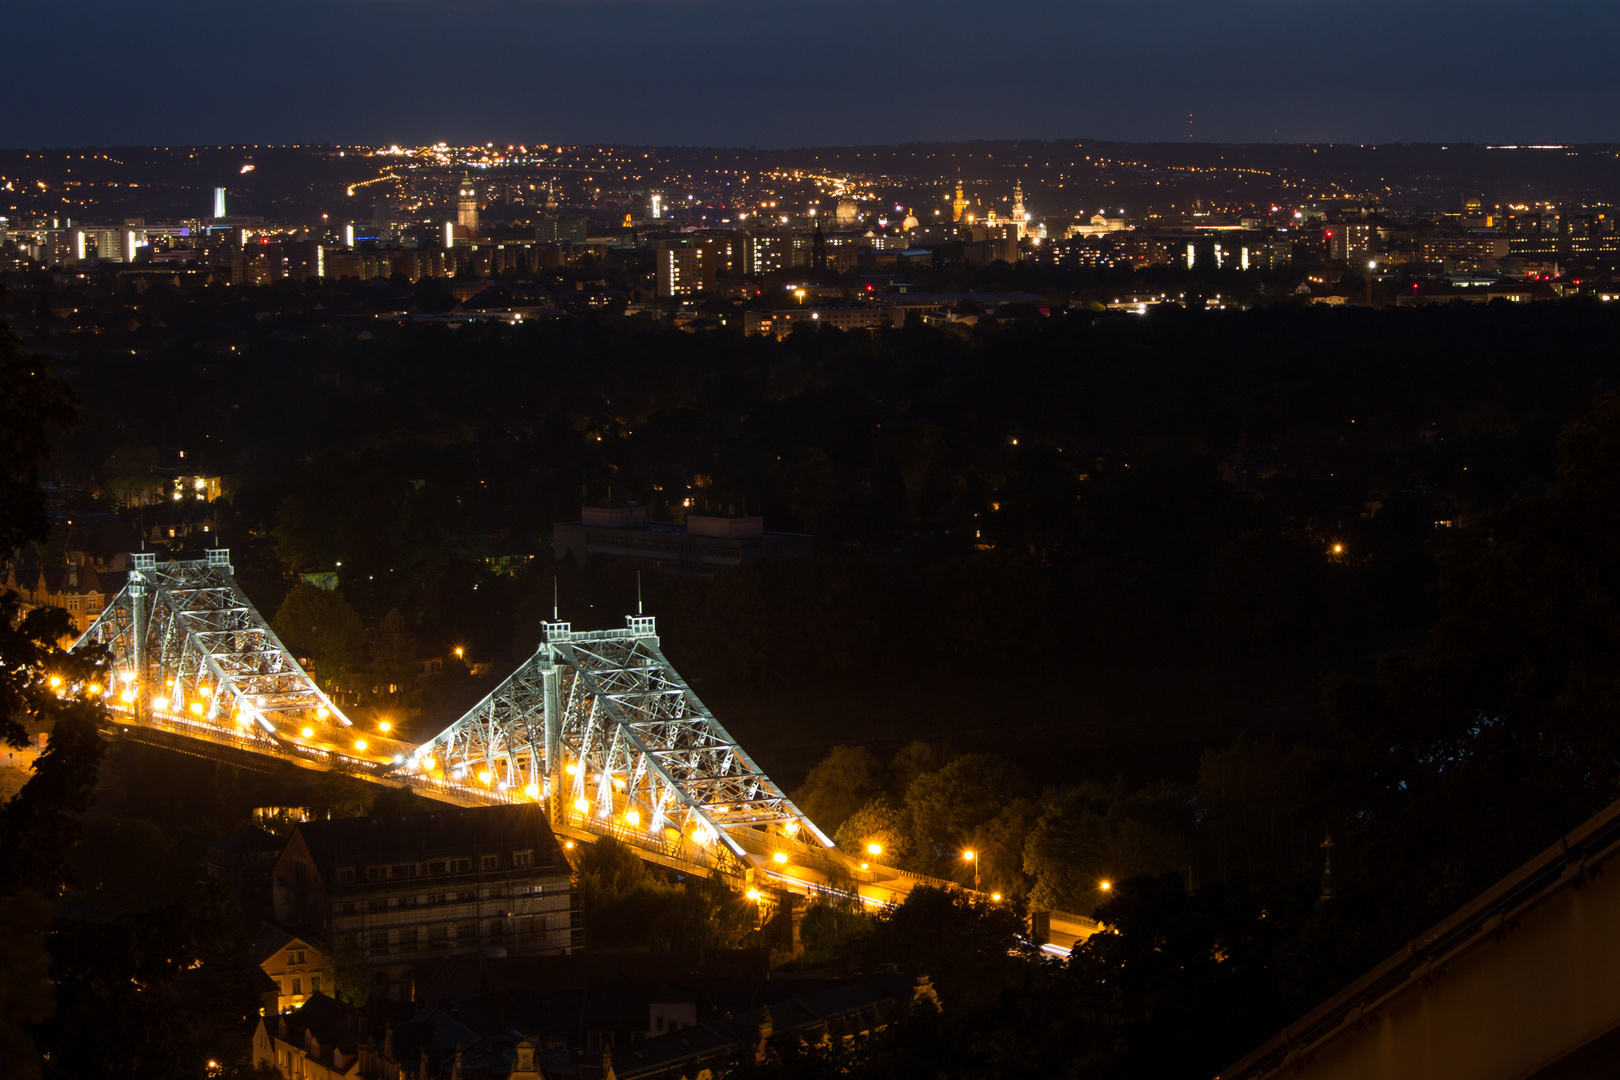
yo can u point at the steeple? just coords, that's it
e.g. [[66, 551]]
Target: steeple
[[1018, 202], [959, 207]]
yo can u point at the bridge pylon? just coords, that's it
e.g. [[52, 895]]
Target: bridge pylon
[[191, 655], [600, 728]]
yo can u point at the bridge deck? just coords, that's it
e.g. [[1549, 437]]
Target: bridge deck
[[809, 871]]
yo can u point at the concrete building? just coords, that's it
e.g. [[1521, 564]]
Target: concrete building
[[1517, 984], [485, 881], [783, 322], [685, 269], [1349, 241], [705, 544]]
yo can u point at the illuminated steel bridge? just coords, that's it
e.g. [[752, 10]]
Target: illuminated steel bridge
[[596, 726]]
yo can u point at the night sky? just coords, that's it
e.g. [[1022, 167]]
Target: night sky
[[774, 73]]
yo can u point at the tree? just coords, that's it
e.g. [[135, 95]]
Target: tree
[[1086, 836], [127, 474], [973, 949], [393, 651], [877, 822], [1257, 810], [320, 624], [1180, 986], [949, 805], [839, 785], [1468, 757], [32, 402], [624, 905], [27, 995]]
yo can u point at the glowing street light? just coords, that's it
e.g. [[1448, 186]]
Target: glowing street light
[[309, 733], [582, 805], [1105, 885], [359, 744], [385, 726], [874, 849], [973, 857], [780, 858]]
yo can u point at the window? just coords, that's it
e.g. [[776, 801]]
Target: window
[[407, 937], [436, 867], [292, 957], [345, 875], [314, 984], [492, 862], [522, 858], [379, 939], [375, 873], [298, 986], [73, 603], [402, 872], [438, 933], [467, 932], [301, 956], [348, 907], [436, 898], [463, 866]]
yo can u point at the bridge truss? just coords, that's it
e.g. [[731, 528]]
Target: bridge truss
[[189, 653], [603, 729], [597, 726]]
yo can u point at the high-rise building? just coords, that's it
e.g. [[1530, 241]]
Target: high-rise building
[[219, 202], [684, 269], [1349, 241], [467, 205], [765, 252]]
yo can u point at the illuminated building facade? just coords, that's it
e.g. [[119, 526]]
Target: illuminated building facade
[[685, 270], [467, 205]]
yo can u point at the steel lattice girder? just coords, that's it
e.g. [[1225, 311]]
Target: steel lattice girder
[[184, 630], [631, 736]]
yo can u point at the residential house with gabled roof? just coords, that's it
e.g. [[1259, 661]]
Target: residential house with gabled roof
[[78, 588]]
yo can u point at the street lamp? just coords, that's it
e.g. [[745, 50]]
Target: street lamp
[[973, 857], [874, 849]]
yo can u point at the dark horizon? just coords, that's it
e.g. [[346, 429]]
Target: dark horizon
[[701, 73]]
